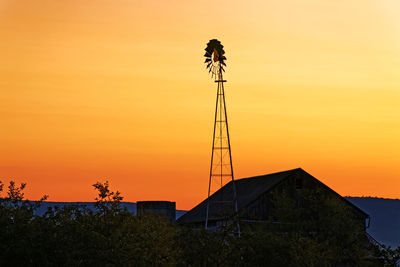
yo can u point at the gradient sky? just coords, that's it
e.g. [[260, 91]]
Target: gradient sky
[[117, 90]]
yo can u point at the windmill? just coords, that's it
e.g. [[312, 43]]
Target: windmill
[[221, 170]]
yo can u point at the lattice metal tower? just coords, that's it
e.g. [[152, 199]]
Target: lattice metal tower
[[221, 170]]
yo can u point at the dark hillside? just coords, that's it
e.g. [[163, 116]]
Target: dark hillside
[[385, 218], [130, 206]]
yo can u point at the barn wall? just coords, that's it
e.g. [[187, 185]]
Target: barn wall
[[295, 186]]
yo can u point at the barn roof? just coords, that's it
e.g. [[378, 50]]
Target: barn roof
[[248, 190]]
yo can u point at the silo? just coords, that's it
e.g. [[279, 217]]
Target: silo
[[164, 208]]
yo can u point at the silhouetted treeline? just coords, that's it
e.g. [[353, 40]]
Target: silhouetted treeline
[[111, 236]]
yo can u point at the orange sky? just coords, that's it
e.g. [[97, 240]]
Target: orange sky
[[117, 90]]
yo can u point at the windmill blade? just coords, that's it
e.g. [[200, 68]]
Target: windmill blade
[[208, 65], [209, 49], [207, 60], [214, 41]]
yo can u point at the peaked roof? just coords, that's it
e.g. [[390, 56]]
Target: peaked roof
[[248, 190]]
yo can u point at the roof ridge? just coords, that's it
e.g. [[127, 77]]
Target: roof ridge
[[270, 174]]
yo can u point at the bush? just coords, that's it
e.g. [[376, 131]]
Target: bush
[[111, 236]]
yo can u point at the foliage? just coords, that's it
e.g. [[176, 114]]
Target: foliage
[[17, 226], [76, 236], [327, 233], [327, 224], [390, 256]]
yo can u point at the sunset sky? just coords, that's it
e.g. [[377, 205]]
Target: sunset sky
[[117, 90]]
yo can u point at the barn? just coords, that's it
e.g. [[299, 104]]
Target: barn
[[255, 199]]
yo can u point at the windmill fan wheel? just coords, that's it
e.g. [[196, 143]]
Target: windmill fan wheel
[[215, 57]]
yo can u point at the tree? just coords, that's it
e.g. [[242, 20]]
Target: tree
[[18, 229], [390, 256], [326, 224]]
